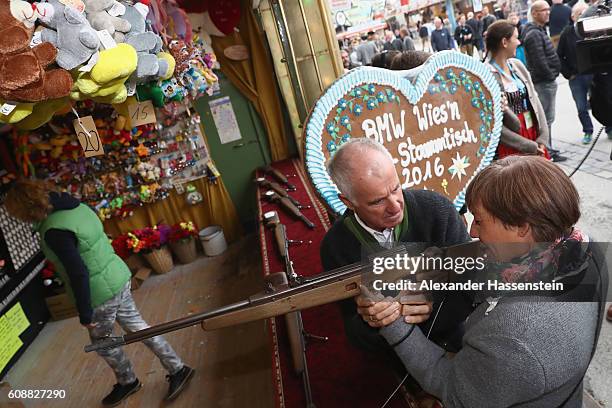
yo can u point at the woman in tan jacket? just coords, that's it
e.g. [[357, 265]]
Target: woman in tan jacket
[[515, 81]]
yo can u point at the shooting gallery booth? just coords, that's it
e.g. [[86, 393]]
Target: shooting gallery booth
[[140, 154], [163, 162]]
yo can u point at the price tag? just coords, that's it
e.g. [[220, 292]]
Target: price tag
[[142, 113], [7, 108], [117, 10], [106, 39], [88, 136], [36, 39]]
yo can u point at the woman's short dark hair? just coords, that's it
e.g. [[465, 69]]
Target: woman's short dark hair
[[496, 32], [409, 60], [521, 190], [383, 59]]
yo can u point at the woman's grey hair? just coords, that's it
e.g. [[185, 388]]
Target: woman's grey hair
[[339, 165]]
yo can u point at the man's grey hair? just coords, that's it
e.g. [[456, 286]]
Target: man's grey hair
[[339, 165]]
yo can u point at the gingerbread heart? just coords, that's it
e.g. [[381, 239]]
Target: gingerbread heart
[[441, 122]]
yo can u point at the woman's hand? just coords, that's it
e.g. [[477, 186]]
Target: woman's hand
[[90, 326], [377, 314]]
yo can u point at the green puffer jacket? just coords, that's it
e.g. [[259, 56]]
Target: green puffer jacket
[[108, 274]]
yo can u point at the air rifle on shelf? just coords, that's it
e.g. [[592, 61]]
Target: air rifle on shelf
[[288, 207], [270, 185], [272, 221], [279, 298], [280, 177], [295, 325]]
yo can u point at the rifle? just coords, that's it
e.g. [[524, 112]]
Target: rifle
[[270, 185], [295, 325], [278, 298], [272, 221], [280, 177], [288, 207]]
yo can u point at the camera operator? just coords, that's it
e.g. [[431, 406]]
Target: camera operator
[[578, 83], [601, 86]]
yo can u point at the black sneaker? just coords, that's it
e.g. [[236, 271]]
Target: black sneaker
[[556, 157], [121, 392], [178, 381]]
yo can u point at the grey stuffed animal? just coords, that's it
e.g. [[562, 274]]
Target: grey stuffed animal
[[70, 32], [147, 45], [99, 18]]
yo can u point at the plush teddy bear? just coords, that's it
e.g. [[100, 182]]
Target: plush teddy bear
[[97, 12], [23, 77], [70, 32]]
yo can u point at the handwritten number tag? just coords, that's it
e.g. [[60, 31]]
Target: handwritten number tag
[[88, 136], [142, 113]]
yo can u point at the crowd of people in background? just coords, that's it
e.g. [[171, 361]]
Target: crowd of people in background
[[535, 51]]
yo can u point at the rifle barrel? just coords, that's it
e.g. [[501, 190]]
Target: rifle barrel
[[256, 300]]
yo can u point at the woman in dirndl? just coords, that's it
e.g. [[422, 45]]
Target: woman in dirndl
[[522, 99]]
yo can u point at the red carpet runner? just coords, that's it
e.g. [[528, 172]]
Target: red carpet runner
[[340, 374]]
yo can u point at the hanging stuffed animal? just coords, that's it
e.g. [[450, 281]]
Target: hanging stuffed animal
[[193, 195], [105, 83], [70, 32], [147, 44], [23, 74], [97, 12]]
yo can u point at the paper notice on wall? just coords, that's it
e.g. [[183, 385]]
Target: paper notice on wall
[[225, 119], [10, 343], [17, 319]]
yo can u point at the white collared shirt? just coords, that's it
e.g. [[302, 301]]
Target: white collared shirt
[[384, 237]]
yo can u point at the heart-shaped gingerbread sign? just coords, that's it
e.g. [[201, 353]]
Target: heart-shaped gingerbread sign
[[441, 123]]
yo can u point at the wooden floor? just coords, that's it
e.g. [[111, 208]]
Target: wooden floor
[[233, 365]]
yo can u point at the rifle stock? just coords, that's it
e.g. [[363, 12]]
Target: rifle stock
[[261, 181], [288, 207], [280, 177]]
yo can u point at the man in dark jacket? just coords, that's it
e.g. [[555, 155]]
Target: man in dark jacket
[[477, 28], [440, 37], [487, 20], [379, 215], [73, 238], [543, 64], [464, 37], [560, 17]]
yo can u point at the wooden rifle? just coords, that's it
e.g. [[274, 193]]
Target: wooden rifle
[[280, 177], [279, 297], [293, 320], [288, 207], [270, 185]]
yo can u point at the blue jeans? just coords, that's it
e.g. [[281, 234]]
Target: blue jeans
[[547, 93], [580, 90], [580, 87]]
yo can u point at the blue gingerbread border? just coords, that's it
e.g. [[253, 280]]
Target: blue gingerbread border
[[412, 90]]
